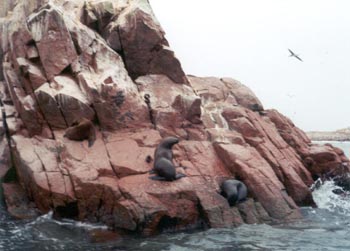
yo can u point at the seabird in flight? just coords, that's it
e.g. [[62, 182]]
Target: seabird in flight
[[292, 54]]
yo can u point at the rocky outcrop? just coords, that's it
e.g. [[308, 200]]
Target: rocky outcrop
[[338, 135], [131, 29], [108, 62]]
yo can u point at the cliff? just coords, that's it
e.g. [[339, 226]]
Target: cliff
[[109, 62]]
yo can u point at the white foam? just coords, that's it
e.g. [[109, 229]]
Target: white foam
[[66, 222], [41, 218], [79, 224], [326, 199]]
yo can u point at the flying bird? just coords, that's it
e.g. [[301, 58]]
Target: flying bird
[[292, 54]]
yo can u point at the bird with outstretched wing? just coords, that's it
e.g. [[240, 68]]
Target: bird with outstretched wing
[[292, 54]]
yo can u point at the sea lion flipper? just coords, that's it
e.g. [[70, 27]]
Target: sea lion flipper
[[91, 142], [242, 192], [92, 136], [180, 175], [241, 200], [157, 178]]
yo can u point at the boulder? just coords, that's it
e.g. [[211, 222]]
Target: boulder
[[17, 202], [145, 49], [53, 40], [174, 111], [244, 96], [45, 97], [32, 72], [25, 104], [247, 164], [325, 160]]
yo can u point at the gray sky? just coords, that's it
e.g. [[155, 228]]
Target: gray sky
[[248, 40]]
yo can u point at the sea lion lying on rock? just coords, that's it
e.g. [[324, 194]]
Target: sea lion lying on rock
[[84, 129], [163, 164], [234, 191]]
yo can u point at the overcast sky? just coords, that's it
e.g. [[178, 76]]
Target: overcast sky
[[249, 40]]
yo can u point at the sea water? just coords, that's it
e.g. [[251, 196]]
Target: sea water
[[324, 228]]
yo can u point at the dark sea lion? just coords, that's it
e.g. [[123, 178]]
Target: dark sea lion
[[234, 191], [163, 161], [81, 130], [147, 99], [4, 123]]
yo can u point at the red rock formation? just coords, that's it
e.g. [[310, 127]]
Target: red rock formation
[[108, 61]]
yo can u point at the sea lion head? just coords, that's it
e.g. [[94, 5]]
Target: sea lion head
[[168, 142]]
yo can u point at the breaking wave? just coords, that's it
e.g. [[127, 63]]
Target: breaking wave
[[325, 198]]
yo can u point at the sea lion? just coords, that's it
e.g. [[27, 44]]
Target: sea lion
[[147, 98], [163, 164], [4, 123], [81, 130], [234, 191]]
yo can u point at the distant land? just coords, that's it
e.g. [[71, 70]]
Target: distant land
[[338, 135]]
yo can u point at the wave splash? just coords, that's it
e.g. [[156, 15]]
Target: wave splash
[[66, 222], [333, 198]]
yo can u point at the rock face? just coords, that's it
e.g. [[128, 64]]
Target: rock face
[[108, 62]]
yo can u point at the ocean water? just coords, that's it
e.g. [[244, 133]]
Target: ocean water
[[324, 228]]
